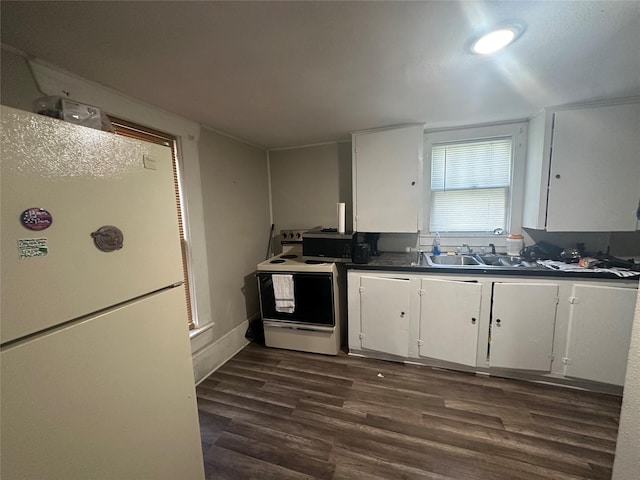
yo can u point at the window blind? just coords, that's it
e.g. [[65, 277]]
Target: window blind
[[470, 184], [132, 130]]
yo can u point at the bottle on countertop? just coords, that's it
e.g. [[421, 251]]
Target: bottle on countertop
[[436, 244], [515, 243]]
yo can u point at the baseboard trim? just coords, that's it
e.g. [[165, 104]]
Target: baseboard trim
[[542, 378], [208, 359]]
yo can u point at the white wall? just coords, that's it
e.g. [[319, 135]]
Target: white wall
[[18, 88], [627, 462], [307, 183], [235, 193]]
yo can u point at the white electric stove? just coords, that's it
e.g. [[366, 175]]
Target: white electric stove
[[314, 323], [292, 260]]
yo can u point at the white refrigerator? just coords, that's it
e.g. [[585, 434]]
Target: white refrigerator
[[96, 373]]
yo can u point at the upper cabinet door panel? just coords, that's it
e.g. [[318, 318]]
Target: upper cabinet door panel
[[388, 180], [594, 181]]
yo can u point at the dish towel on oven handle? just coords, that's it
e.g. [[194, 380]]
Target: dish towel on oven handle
[[283, 292]]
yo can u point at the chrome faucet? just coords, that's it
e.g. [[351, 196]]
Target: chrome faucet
[[469, 249]]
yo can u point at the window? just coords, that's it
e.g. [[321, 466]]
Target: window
[[132, 130], [470, 185]]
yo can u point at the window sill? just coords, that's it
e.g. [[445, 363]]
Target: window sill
[[449, 242], [200, 330], [427, 239]]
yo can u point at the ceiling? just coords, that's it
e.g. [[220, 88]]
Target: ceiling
[[280, 74]]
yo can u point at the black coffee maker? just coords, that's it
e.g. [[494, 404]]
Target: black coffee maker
[[366, 247], [372, 240], [361, 253]]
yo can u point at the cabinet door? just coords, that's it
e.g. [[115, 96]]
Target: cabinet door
[[384, 315], [522, 325], [449, 320], [594, 182], [599, 333], [536, 177], [387, 180]]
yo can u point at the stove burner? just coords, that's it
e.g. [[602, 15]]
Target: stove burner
[[277, 261], [290, 255], [314, 262]]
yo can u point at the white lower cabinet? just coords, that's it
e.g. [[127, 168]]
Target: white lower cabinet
[[449, 320], [544, 327], [384, 315], [600, 322], [523, 319]]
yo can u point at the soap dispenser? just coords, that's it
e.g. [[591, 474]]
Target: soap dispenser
[[436, 244]]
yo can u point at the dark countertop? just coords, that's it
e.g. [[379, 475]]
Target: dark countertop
[[405, 262]]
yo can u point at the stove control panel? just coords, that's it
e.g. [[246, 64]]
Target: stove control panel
[[291, 236]]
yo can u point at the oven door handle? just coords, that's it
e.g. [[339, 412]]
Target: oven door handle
[[299, 326]]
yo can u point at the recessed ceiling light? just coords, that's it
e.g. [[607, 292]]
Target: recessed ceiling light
[[496, 39]]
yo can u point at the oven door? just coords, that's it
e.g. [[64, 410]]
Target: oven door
[[313, 298]]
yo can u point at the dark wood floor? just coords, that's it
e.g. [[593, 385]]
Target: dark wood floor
[[277, 414]]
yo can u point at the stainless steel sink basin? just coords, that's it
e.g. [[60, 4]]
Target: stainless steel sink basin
[[499, 260], [450, 260], [474, 260]]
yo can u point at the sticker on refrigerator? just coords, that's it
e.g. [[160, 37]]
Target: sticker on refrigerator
[[32, 247], [36, 219]]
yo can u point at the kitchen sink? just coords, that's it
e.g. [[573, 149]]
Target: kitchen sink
[[476, 260], [453, 260], [499, 260]]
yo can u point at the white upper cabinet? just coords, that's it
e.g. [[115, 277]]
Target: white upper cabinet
[[583, 169], [387, 180]]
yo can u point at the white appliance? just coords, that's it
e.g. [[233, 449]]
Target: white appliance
[[97, 379], [312, 322]]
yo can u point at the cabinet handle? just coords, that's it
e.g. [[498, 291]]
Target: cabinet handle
[[473, 321], [497, 322], [401, 314], [558, 175], [413, 183]]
